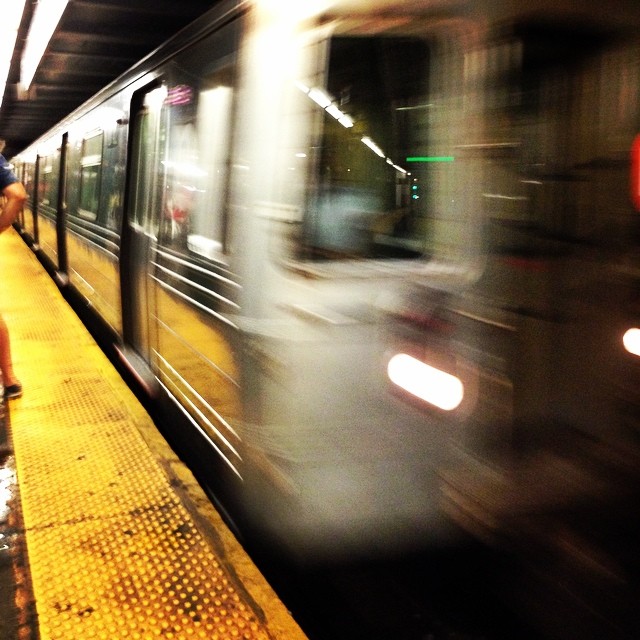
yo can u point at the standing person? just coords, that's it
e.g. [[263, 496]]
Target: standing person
[[14, 195]]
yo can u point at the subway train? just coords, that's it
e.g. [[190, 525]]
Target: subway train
[[381, 258]]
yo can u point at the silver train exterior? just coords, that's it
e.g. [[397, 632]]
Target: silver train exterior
[[372, 251]]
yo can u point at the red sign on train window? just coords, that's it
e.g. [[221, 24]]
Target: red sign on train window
[[635, 173]]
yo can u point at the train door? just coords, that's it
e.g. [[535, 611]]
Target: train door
[[140, 224]]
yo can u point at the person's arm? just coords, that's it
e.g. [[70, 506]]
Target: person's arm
[[15, 196]]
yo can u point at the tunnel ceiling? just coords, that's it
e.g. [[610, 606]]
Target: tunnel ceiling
[[95, 41]]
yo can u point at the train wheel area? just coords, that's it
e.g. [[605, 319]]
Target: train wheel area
[[103, 531]]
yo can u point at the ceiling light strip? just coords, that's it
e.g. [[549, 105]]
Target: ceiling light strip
[[9, 25], [45, 20]]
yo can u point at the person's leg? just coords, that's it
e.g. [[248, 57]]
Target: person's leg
[[8, 376], [15, 196]]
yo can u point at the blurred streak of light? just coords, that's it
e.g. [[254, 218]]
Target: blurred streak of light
[[432, 385]]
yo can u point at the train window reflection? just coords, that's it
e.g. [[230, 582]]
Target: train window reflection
[[369, 202]]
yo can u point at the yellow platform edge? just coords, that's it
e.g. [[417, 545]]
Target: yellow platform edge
[[122, 541]]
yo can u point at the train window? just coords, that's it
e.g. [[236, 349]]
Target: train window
[[369, 201], [48, 182], [145, 160], [28, 179], [196, 173], [543, 94], [198, 136], [91, 163], [45, 180], [113, 175]]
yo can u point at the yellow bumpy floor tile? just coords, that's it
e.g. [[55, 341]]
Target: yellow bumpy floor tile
[[113, 551]]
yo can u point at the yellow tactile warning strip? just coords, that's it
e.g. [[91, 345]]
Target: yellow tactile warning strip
[[113, 550]]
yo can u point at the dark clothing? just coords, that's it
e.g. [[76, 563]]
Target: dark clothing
[[7, 176]]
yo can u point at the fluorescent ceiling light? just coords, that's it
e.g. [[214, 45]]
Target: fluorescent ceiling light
[[9, 25], [373, 146], [45, 19]]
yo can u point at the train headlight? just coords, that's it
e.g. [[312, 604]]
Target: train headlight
[[432, 385], [631, 341]]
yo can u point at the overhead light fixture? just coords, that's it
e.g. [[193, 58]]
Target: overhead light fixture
[[373, 146], [46, 17], [9, 25]]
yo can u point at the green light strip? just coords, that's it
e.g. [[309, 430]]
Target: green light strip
[[430, 159]]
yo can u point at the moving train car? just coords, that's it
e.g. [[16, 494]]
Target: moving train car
[[372, 251]]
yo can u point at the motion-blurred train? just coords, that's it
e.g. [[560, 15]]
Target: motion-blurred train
[[374, 251]]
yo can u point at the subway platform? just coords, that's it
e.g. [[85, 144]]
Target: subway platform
[[104, 533]]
